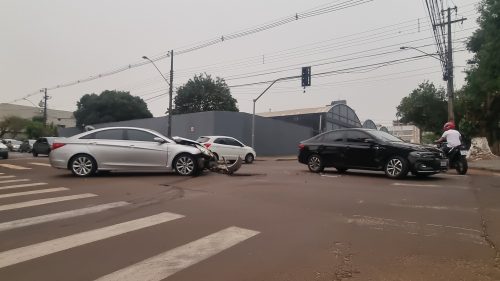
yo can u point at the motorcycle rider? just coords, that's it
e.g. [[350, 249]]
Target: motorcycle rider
[[451, 136]]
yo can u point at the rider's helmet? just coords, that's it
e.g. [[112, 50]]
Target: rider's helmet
[[448, 125]]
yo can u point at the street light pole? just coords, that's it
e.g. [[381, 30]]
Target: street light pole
[[169, 125]]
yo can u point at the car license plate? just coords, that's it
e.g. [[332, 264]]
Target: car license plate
[[463, 152], [444, 163]]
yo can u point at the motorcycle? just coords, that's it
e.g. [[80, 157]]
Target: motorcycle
[[456, 156]]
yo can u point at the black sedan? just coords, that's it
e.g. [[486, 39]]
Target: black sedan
[[368, 149]]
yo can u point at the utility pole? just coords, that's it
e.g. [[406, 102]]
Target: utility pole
[[170, 92], [449, 62], [45, 98]]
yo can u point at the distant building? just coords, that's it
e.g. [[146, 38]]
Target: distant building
[[320, 119], [60, 118], [409, 133]]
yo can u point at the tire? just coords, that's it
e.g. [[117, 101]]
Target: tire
[[341, 170], [185, 165], [461, 166], [396, 167], [249, 158], [315, 163], [35, 154], [83, 165]]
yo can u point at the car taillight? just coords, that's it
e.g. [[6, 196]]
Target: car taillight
[[207, 145], [56, 145], [301, 146]]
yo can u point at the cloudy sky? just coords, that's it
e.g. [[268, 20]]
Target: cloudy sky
[[50, 43]]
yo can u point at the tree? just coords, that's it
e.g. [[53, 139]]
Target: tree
[[110, 106], [202, 93], [480, 99], [12, 125], [426, 107]]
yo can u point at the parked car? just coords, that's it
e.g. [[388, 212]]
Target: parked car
[[12, 144], [369, 149], [42, 146], [127, 148], [4, 151], [228, 147], [27, 146]]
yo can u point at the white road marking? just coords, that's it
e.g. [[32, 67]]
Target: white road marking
[[44, 201], [59, 216], [7, 177], [438, 208], [40, 164], [34, 251], [496, 174], [9, 181], [22, 185], [329, 176], [417, 185], [165, 264], [1, 173], [33, 192], [14, 167]]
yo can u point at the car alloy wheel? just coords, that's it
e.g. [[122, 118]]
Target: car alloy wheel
[[315, 163], [396, 167], [249, 158], [185, 165], [83, 166]]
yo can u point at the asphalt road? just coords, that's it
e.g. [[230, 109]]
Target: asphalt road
[[273, 220]]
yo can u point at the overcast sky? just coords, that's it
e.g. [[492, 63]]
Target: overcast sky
[[48, 43]]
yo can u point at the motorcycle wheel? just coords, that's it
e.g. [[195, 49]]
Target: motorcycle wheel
[[461, 166]]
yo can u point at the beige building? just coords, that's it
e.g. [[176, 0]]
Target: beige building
[[409, 133], [60, 118]]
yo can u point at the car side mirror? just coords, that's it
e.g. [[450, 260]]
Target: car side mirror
[[159, 140], [370, 141]]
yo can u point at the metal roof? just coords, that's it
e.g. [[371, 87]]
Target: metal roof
[[300, 111]]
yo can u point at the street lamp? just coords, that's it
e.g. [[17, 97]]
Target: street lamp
[[448, 77], [169, 127]]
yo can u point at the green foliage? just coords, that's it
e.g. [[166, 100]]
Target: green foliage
[[425, 107], [110, 106], [202, 93], [481, 94], [429, 137], [35, 129], [12, 125]]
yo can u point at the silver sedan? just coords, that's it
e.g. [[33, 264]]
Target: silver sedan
[[127, 148]]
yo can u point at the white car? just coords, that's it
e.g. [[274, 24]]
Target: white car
[[228, 147], [127, 148]]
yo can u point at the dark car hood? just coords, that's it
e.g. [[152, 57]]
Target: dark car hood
[[415, 147]]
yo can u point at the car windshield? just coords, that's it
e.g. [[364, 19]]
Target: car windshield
[[383, 136]]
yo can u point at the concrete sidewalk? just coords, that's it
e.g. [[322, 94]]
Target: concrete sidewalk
[[486, 164]]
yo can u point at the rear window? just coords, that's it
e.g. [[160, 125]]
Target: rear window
[[203, 139]]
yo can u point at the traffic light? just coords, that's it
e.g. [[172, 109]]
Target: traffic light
[[306, 76]]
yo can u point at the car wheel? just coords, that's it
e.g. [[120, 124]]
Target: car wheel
[[35, 154], [315, 163], [185, 165], [249, 158], [396, 167], [83, 165]]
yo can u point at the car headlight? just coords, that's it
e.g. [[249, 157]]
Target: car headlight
[[204, 150]]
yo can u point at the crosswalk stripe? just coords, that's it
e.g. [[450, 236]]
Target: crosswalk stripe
[[44, 201], [30, 252], [33, 192], [7, 177], [40, 164], [2, 174], [165, 264], [59, 216], [15, 167], [22, 185], [9, 181]]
